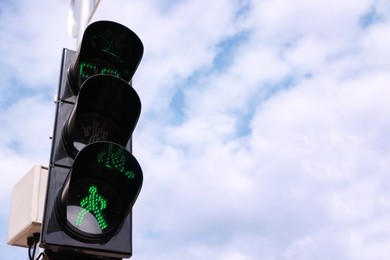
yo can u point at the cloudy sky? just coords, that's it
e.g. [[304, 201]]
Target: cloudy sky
[[265, 125]]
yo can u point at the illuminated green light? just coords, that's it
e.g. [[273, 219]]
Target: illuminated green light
[[93, 203], [115, 160], [88, 69], [110, 71]]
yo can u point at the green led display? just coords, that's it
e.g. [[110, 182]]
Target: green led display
[[115, 159], [93, 203], [89, 69], [110, 71]]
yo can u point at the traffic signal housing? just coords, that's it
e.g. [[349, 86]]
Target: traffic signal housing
[[94, 180]]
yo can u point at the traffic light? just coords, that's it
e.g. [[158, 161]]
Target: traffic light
[[94, 180]]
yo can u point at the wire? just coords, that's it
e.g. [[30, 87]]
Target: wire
[[36, 240], [35, 247], [30, 243], [40, 255]]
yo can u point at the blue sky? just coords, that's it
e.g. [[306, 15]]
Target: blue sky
[[264, 124]]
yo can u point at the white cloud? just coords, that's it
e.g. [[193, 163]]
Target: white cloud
[[24, 143], [327, 19], [305, 180], [32, 41]]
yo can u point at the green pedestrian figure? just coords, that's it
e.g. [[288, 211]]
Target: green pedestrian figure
[[94, 203]]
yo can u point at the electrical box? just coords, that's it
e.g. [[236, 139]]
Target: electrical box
[[28, 200]]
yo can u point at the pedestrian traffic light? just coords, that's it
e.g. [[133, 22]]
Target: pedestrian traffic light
[[94, 180]]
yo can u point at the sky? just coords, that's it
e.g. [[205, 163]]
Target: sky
[[264, 131]]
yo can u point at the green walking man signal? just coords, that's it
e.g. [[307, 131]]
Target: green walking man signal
[[94, 203]]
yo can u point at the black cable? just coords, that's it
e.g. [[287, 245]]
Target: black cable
[[30, 243], [40, 255], [36, 240], [35, 247]]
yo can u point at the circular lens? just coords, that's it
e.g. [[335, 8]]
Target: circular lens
[[93, 207], [83, 220]]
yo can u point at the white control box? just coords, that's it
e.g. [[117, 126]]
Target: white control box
[[28, 201]]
